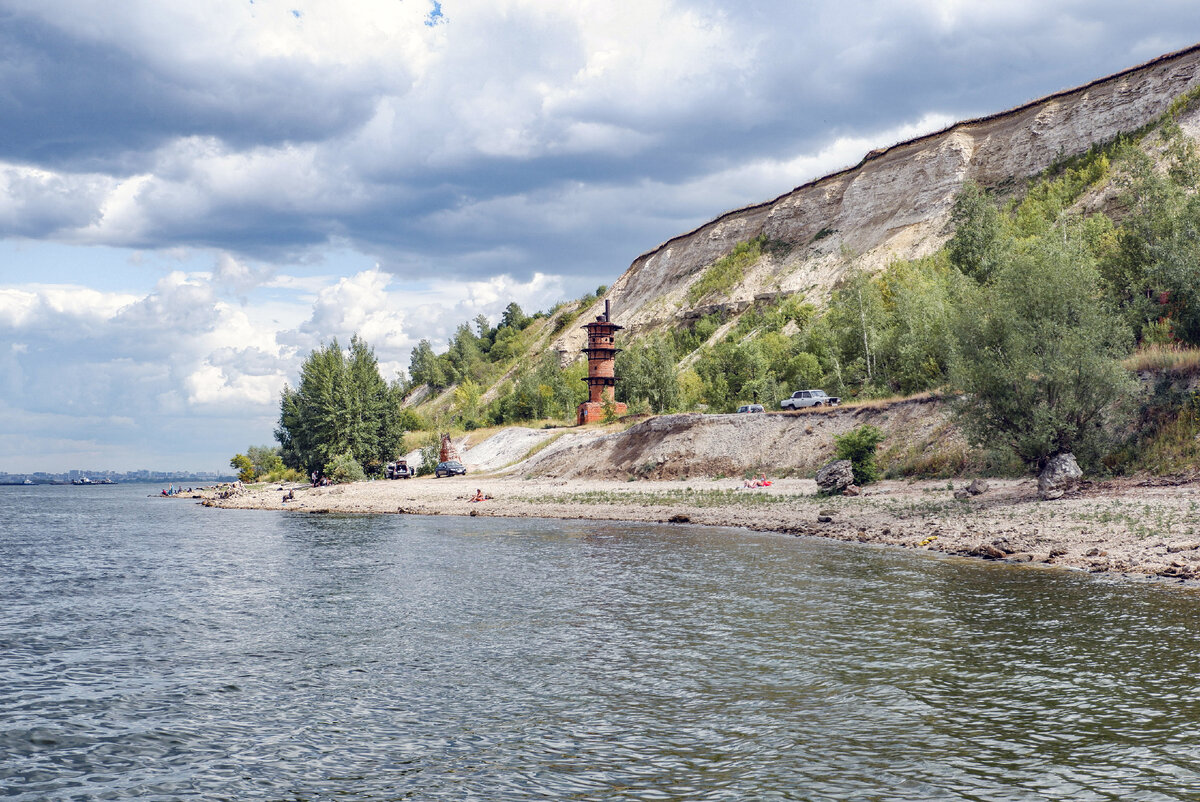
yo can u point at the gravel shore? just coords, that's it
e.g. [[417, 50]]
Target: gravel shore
[[1123, 527]]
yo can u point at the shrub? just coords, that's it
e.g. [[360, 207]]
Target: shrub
[[344, 468], [285, 475], [858, 446]]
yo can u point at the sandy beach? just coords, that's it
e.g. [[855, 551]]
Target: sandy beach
[[1131, 527]]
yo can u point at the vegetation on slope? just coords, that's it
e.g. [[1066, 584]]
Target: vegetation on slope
[[1029, 309]]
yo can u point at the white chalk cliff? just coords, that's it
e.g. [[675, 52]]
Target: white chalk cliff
[[895, 204]]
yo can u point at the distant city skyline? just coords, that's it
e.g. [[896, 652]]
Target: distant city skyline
[[144, 475], [194, 196]]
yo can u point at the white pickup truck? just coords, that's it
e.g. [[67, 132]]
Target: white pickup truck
[[809, 398]]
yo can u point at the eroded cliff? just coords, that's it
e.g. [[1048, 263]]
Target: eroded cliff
[[895, 204]]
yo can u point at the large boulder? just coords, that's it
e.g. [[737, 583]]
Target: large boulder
[[834, 477], [1060, 474], [978, 487]]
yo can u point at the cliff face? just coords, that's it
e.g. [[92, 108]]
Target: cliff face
[[895, 204]]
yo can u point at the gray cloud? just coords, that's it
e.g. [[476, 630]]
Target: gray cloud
[[528, 151], [473, 164]]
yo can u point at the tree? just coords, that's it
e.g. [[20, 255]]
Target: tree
[[978, 232], [1155, 270], [514, 318], [425, 367], [241, 464], [1038, 355], [264, 459], [344, 468], [857, 319], [916, 342], [341, 406], [647, 372]]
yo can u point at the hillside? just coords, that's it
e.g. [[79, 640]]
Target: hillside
[[894, 205], [869, 283]]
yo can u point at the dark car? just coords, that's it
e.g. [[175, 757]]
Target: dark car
[[398, 470], [451, 468]]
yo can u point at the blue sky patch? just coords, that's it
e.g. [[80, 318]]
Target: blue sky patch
[[435, 17]]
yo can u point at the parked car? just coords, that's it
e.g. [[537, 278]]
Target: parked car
[[398, 470], [750, 408], [809, 398], [451, 468]]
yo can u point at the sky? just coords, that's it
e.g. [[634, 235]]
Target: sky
[[193, 196]]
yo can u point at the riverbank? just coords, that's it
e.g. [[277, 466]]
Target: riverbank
[[1127, 527]]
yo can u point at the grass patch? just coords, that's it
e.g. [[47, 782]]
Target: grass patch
[[666, 498], [1175, 447], [928, 460], [884, 403], [1176, 360], [725, 273]]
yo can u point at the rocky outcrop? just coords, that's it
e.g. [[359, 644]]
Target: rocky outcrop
[[834, 477], [895, 203], [1060, 475]]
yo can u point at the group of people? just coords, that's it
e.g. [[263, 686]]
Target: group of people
[[175, 491], [761, 481]]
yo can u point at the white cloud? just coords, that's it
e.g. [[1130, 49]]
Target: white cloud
[[519, 150]]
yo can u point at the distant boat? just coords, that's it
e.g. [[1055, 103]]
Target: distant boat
[[82, 481], [27, 482]]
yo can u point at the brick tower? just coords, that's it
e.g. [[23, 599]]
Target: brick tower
[[601, 378]]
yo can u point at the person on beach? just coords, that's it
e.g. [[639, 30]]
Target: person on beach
[[478, 496]]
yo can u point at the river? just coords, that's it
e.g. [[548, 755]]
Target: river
[[156, 649]]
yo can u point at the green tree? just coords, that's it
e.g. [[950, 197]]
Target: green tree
[[857, 321], [342, 405], [1154, 272], [1038, 355], [646, 372], [514, 318], [979, 231], [426, 367], [916, 342], [241, 463], [264, 459]]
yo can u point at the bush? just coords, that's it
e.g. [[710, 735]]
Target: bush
[[344, 468], [858, 446], [285, 475]]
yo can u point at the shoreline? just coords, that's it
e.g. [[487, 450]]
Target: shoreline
[[1127, 527]]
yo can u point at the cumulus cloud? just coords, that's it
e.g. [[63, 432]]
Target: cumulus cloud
[[396, 168], [182, 356], [245, 127]]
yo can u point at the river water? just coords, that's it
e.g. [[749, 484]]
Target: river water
[[155, 649]]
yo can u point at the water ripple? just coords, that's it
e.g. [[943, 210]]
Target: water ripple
[[158, 650]]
